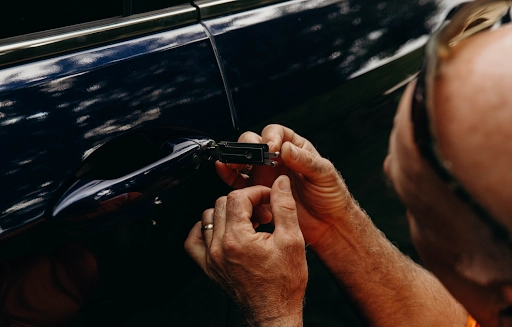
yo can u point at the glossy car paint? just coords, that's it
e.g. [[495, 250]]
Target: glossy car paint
[[280, 56], [331, 70], [56, 111]]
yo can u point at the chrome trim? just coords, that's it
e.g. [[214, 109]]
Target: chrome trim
[[213, 8], [32, 46]]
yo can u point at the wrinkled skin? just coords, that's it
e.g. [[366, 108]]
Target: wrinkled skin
[[472, 111], [471, 122], [316, 190], [361, 259], [244, 262], [321, 194]]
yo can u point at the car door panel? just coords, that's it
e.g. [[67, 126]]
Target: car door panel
[[279, 56], [55, 112]]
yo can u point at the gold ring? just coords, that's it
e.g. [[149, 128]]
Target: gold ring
[[206, 227]]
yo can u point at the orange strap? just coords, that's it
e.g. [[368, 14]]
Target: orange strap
[[472, 322]]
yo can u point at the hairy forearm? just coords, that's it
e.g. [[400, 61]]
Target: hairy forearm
[[387, 286]]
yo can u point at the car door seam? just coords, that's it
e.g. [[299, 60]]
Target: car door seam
[[234, 118]]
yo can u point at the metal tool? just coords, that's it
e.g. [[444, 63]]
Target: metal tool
[[242, 153]]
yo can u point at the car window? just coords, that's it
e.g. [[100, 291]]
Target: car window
[[141, 6], [25, 17]]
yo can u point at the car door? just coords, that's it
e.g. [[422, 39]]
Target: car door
[[97, 103]]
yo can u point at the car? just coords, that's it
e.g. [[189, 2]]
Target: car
[[107, 111]]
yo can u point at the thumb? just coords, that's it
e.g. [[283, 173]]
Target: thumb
[[311, 165], [284, 209]]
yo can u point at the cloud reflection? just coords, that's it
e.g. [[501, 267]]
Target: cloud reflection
[[39, 115], [10, 121], [23, 205]]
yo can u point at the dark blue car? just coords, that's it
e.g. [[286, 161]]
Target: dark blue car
[[107, 109]]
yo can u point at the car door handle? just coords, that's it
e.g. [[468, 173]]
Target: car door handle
[[97, 204]]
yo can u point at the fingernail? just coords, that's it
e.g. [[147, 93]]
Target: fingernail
[[284, 184], [294, 152], [270, 145]]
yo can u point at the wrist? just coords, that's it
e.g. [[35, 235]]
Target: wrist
[[345, 231], [284, 314], [288, 321]]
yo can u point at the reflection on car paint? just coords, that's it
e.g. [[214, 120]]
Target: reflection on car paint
[[79, 101], [296, 50]]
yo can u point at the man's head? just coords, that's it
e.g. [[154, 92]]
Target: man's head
[[471, 120]]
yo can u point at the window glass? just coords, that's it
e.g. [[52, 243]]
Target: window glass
[[24, 17], [140, 6]]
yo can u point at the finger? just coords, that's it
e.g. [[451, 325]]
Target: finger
[[207, 221], [276, 135], [194, 245], [219, 218], [231, 176], [311, 165], [249, 137], [239, 208], [284, 208], [261, 214]]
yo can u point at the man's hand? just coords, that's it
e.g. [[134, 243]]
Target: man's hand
[[322, 197], [388, 287], [266, 274]]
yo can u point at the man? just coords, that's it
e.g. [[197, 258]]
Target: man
[[449, 163]]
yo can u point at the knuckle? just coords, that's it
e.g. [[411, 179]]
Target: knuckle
[[234, 196], [230, 247], [220, 201], [246, 135], [235, 205], [270, 127], [288, 207], [216, 253], [273, 130], [207, 213]]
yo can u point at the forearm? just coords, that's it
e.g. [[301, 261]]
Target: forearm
[[387, 286]]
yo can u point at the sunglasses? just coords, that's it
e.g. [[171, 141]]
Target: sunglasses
[[469, 19]]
